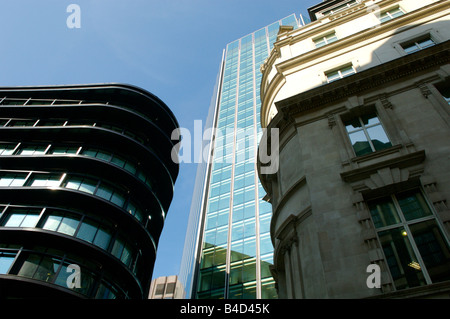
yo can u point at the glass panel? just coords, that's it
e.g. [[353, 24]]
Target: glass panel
[[319, 43], [218, 279], [6, 259], [396, 12], [88, 186], [411, 48], [105, 292], [73, 183], [30, 220], [384, 17], [46, 180], [104, 191], [333, 76], [413, 205], [14, 220], [426, 43], [87, 230], [360, 143], [102, 238], [126, 255], [52, 222], [130, 167], [103, 155], [12, 179], [383, 212], [47, 269], [7, 149], [268, 290], [353, 124], [118, 199], [29, 266], [64, 150], [205, 281], [433, 249], [370, 119], [61, 279], [331, 38], [378, 137], [117, 248], [32, 150], [347, 71], [69, 225], [403, 264], [119, 161]]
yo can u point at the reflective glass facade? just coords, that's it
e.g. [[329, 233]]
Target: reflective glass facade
[[234, 249], [86, 180]]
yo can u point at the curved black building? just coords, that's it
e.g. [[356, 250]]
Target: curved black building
[[86, 179]]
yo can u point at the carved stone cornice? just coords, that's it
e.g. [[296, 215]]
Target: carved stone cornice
[[366, 80], [365, 172]]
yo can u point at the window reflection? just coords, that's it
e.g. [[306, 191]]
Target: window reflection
[[413, 244], [367, 134]]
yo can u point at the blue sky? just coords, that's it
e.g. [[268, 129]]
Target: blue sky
[[171, 48]]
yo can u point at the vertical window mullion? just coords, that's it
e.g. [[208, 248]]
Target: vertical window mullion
[[364, 129], [405, 224]]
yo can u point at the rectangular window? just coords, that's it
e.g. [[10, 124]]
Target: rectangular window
[[65, 223], [418, 44], [61, 150], [326, 39], [54, 122], [93, 232], [367, 134], [45, 180], [40, 267], [12, 179], [21, 123], [7, 149], [6, 260], [14, 101], [22, 217], [416, 250], [83, 184], [30, 150], [391, 14], [340, 73]]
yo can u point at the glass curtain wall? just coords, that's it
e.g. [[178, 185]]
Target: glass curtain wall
[[236, 250]]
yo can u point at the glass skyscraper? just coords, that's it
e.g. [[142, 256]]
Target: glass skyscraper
[[228, 251]]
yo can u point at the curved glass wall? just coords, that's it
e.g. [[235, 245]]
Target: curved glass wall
[[52, 266], [114, 164], [101, 233]]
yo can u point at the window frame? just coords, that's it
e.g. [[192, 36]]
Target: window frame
[[364, 128], [389, 14], [325, 39], [339, 72], [406, 225]]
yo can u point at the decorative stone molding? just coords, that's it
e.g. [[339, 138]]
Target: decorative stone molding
[[367, 79], [400, 168], [424, 89], [385, 102], [437, 198], [331, 120]]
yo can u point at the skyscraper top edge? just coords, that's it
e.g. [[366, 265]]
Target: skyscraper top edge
[[279, 20]]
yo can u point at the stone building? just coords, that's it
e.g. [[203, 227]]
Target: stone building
[[361, 99]]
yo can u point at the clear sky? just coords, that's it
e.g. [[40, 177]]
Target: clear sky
[[171, 48]]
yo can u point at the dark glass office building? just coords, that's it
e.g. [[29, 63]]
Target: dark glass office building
[[86, 179]]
